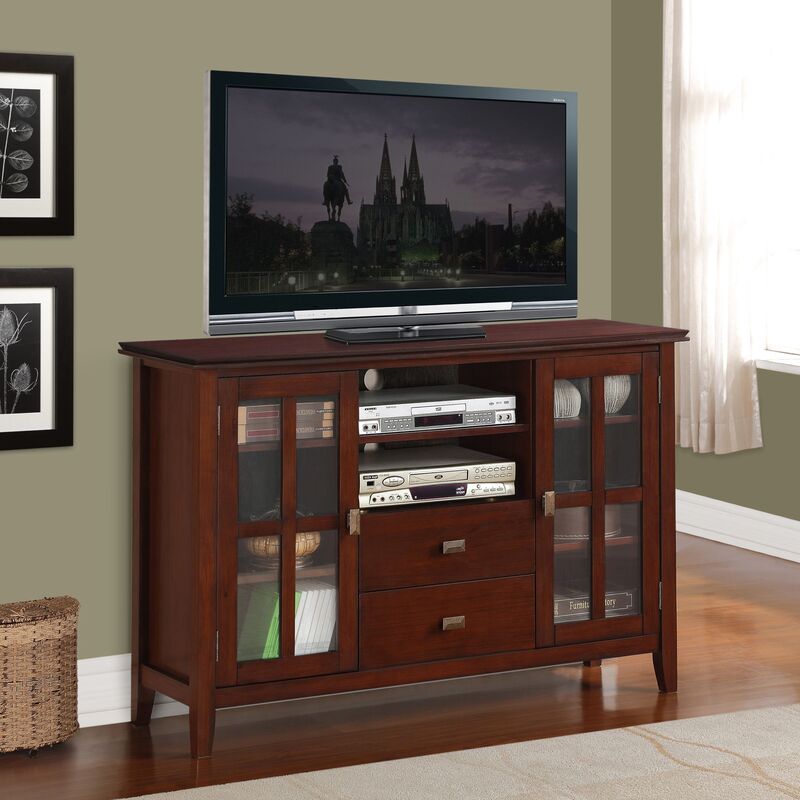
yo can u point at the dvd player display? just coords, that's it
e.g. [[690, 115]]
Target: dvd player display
[[433, 408], [431, 474]]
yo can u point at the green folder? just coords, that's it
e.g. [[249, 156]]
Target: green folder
[[262, 606], [272, 647]]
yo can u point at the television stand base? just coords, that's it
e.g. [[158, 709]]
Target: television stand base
[[399, 333]]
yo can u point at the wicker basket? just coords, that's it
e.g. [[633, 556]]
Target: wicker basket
[[38, 673]]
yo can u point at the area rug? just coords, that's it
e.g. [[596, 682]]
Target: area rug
[[746, 755]]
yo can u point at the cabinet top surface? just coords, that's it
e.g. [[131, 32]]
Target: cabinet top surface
[[512, 338]]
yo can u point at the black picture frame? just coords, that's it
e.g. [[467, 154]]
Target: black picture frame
[[62, 223], [61, 280]]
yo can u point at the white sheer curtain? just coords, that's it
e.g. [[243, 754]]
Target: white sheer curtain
[[725, 127]]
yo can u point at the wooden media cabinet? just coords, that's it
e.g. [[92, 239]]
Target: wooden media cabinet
[[256, 577]]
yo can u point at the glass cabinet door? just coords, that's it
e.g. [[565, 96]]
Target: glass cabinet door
[[598, 489], [285, 543]]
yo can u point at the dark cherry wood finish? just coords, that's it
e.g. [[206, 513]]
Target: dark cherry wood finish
[[409, 625], [407, 548], [395, 585]]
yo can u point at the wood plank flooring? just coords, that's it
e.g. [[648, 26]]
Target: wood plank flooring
[[739, 647]]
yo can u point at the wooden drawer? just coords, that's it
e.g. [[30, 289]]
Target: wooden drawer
[[407, 548], [407, 625]]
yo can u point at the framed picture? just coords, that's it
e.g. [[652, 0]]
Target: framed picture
[[36, 145], [36, 341]]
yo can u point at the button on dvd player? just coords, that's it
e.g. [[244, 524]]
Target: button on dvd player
[[433, 408]]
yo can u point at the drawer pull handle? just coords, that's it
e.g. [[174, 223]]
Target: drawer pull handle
[[454, 623], [454, 546]]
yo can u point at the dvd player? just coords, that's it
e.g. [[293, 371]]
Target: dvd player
[[431, 474], [433, 408]]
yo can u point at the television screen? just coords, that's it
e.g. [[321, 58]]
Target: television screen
[[351, 194]]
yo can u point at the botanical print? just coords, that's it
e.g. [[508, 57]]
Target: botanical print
[[20, 143], [20, 351]]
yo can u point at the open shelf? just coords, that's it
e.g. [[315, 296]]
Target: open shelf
[[302, 444], [579, 422], [614, 541], [447, 433], [266, 576]]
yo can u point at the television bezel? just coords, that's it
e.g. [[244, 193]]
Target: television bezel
[[253, 313]]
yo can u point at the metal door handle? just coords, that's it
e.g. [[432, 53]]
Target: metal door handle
[[454, 623], [549, 504], [454, 546]]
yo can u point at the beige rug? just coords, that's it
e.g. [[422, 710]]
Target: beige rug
[[746, 755]]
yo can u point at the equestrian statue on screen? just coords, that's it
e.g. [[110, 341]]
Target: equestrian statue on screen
[[335, 191]]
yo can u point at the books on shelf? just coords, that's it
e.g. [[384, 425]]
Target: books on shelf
[[316, 419], [573, 605], [315, 621], [259, 619]]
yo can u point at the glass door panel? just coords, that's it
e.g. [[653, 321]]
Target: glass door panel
[[572, 579], [258, 599], [600, 492], [316, 592], [572, 450], [317, 457], [623, 437], [623, 559], [259, 453]]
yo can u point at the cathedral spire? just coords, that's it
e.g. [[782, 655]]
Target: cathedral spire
[[412, 189], [413, 167], [385, 188]]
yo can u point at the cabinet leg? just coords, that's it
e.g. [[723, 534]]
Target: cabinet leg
[[665, 663], [141, 703], [595, 662], [201, 729]]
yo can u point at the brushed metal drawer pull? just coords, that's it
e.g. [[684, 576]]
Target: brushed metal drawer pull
[[454, 623], [454, 546]]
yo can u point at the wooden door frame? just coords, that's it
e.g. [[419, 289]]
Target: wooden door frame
[[596, 367], [287, 389]]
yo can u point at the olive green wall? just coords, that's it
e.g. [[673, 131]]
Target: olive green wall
[[765, 479], [137, 252]]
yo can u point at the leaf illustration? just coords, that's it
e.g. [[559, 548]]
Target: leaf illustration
[[20, 159], [22, 131], [16, 183], [8, 326], [26, 107], [21, 378], [5, 101]]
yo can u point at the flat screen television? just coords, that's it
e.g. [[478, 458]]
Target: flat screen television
[[347, 203]]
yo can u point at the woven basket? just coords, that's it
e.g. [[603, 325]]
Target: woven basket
[[38, 673]]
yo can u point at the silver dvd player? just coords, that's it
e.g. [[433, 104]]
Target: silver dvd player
[[433, 408], [431, 475]]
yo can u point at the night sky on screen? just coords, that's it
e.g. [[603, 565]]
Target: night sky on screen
[[480, 155]]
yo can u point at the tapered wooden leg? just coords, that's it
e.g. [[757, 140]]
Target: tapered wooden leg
[[665, 663], [595, 662], [141, 703], [201, 729]]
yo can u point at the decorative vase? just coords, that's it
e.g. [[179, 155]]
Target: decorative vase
[[265, 551], [617, 389], [566, 399]]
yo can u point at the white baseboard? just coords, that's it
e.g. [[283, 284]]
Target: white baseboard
[[738, 526], [104, 683], [104, 692]]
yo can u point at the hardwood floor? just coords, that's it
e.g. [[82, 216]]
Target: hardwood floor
[[738, 623]]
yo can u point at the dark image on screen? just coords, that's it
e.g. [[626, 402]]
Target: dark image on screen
[[332, 191]]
